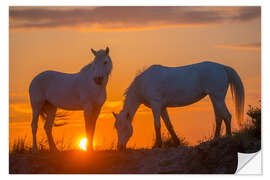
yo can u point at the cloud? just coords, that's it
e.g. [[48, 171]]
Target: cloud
[[126, 18], [18, 97], [250, 46], [21, 108]]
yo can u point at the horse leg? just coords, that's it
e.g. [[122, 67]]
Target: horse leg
[[166, 119], [221, 113], [51, 112], [218, 126], [156, 110], [35, 116], [227, 120], [90, 116]]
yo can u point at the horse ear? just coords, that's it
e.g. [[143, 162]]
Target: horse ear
[[114, 114], [94, 52], [107, 50]]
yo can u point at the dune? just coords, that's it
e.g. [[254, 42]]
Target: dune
[[218, 156]]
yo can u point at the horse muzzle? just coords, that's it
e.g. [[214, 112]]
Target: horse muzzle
[[99, 80]]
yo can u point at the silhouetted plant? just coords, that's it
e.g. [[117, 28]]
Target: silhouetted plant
[[63, 145], [253, 128], [211, 135], [255, 114], [21, 146], [61, 117], [168, 142]]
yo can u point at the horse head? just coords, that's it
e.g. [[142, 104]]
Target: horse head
[[124, 129], [102, 65]]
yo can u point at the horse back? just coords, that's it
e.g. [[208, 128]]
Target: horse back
[[183, 85], [213, 77], [51, 84]]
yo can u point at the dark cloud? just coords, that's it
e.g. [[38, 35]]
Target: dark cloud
[[248, 13], [127, 17]]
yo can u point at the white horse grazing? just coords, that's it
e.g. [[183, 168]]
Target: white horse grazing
[[85, 90], [159, 87]]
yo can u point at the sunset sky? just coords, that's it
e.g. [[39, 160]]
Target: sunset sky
[[60, 38]]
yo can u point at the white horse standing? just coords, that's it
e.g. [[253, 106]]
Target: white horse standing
[[85, 90], [159, 87]]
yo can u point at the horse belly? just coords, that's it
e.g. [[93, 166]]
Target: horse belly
[[179, 101], [64, 97], [184, 93], [66, 102], [71, 106]]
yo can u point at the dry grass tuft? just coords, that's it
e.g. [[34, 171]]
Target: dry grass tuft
[[21, 146]]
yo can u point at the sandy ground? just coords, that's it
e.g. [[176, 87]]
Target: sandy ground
[[213, 157]]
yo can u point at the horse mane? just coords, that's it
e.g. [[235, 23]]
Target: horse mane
[[101, 53], [86, 67], [132, 86], [129, 89]]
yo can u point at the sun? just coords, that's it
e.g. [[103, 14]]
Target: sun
[[83, 143]]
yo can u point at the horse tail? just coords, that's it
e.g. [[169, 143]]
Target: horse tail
[[238, 93], [59, 116]]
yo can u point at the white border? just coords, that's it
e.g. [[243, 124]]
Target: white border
[[137, 2], [4, 71]]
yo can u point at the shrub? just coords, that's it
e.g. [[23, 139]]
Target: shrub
[[253, 127], [255, 114]]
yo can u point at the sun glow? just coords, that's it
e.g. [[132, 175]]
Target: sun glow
[[83, 143]]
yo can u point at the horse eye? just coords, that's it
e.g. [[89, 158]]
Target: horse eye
[[105, 62]]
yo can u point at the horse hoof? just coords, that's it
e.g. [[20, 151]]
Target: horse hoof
[[176, 142], [34, 150], [54, 150], [90, 149], [157, 145]]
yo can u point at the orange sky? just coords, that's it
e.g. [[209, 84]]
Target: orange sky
[[60, 39]]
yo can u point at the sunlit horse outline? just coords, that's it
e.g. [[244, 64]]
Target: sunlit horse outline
[[159, 87], [85, 90]]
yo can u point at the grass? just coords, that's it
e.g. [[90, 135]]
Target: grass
[[20, 145], [167, 141]]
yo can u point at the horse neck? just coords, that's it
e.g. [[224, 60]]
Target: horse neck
[[131, 105], [86, 70], [87, 73]]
